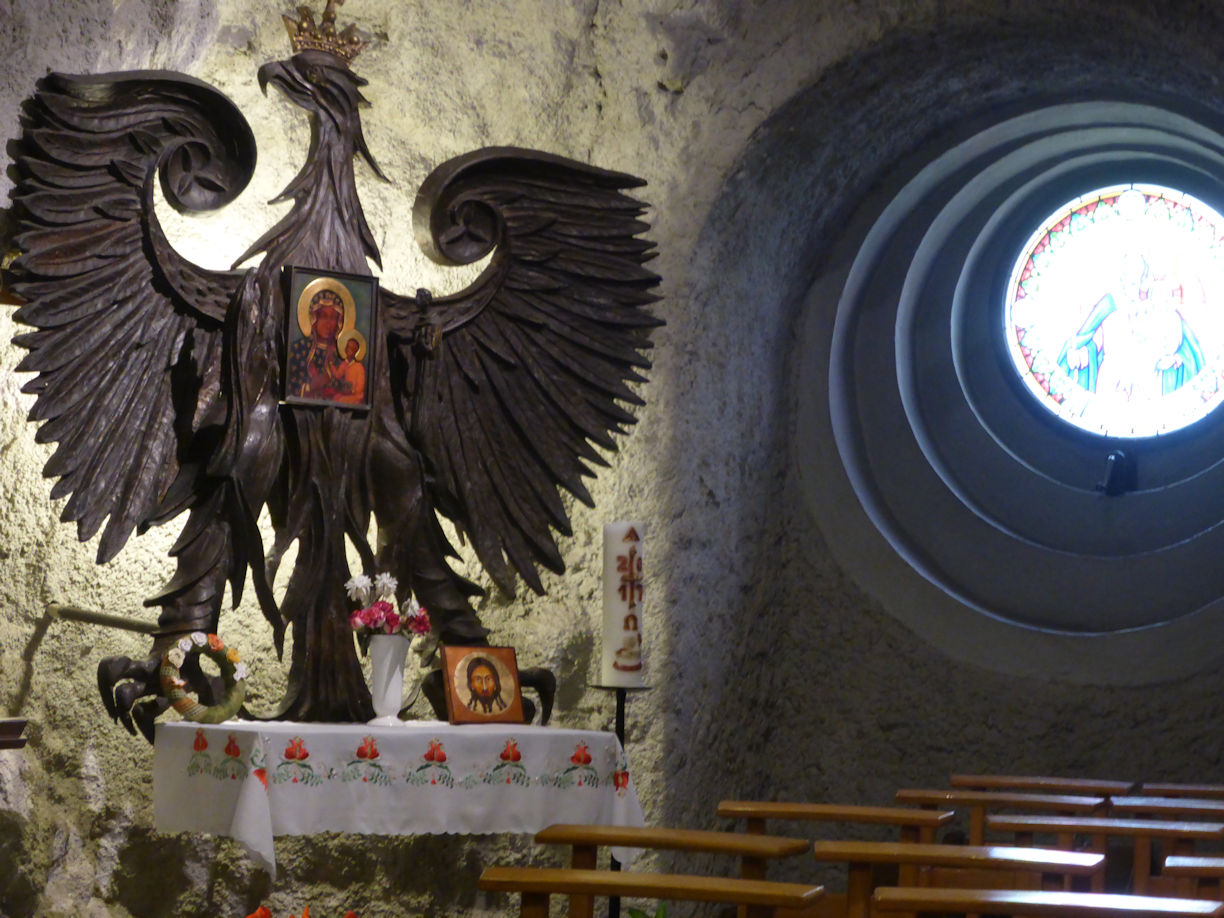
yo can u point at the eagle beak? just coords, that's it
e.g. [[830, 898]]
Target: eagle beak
[[266, 74]]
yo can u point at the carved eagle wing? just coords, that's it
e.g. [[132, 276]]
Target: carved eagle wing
[[128, 333], [535, 363]]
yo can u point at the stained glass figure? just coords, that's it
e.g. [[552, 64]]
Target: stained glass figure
[[1114, 315]]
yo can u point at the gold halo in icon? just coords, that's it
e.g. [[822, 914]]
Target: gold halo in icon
[[308, 293], [345, 337]]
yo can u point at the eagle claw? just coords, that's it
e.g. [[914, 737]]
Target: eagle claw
[[131, 689]]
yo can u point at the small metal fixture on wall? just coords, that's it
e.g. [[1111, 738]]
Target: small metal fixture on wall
[[1121, 474]]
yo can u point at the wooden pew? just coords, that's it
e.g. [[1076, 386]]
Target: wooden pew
[[978, 802], [1179, 836], [1202, 876], [754, 851], [536, 885], [995, 865], [1040, 903], [1169, 807], [914, 824], [1040, 784], [1201, 791]]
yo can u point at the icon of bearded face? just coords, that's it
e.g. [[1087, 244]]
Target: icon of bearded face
[[484, 684]]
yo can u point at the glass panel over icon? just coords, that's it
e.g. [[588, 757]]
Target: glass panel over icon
[[1114, 313]]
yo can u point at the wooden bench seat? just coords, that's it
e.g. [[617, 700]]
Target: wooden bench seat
[[993, 865], [1178, 837], [537, 884], [915, 824], [1041, 784], [1040, 902], [1202, 876], [978, 802]]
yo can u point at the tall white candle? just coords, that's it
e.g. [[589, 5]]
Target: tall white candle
[[621, 663]]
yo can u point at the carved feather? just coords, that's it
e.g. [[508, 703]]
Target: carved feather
[[123, 323], [537, 358]]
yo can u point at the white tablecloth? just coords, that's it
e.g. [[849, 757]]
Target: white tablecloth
[[252, 781]]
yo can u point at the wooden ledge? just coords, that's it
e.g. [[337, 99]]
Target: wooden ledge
[[1043, 784], [1107, 825], [1072, 803], [687, 887], [1185, 865], [834, 812], [756, 846], [1039, 903], [11, 729], [990, 857]]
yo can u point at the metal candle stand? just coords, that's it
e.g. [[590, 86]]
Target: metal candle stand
[[622, 692]]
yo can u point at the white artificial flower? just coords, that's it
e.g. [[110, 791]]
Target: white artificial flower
[[177, 654], [358, 589], [199, 638], [385, 585], [184, 645], [240, 671]]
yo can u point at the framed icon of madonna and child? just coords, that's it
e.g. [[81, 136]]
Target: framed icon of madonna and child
[[482, 685], [330, 338]]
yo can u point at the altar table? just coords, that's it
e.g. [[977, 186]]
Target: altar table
[[252, 781]]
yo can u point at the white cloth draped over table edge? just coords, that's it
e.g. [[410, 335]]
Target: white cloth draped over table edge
[[251, 782]]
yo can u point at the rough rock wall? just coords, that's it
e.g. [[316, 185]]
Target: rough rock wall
[[748, 609]]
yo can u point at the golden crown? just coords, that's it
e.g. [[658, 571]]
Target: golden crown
[[304, 35]]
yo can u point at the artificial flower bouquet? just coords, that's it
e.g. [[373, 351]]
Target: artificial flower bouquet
[[377, 613]]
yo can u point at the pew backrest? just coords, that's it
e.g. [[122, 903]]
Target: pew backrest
[[537, 884], [1040, 903]]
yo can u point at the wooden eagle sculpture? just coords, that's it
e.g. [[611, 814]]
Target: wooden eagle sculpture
[[164, 383]]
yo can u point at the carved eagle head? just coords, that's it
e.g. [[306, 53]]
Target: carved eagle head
[[323, 85]]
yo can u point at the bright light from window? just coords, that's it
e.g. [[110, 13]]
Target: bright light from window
[[1115, 311]]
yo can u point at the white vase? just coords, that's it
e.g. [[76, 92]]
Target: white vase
[[387, 655]]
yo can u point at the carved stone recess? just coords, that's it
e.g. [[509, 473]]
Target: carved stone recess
[[161, 382]]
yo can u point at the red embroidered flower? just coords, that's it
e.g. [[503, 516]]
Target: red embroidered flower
[[295, 750], [262, 912], [620, 779], [231, 747], [262, 775], [511, 753], [368, 749], [581, 756], [200, 743], [435, 753]]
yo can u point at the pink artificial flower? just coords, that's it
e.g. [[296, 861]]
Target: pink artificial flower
[[355, 621], [373, 616], [391, 623], [419, 623]]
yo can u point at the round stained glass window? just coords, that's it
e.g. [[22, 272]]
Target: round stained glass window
[[1114, 315]]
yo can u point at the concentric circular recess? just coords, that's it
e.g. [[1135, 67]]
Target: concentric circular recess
[[1114, 314], [966, 449]]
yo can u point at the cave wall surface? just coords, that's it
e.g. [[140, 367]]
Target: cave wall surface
[[759, 127]]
